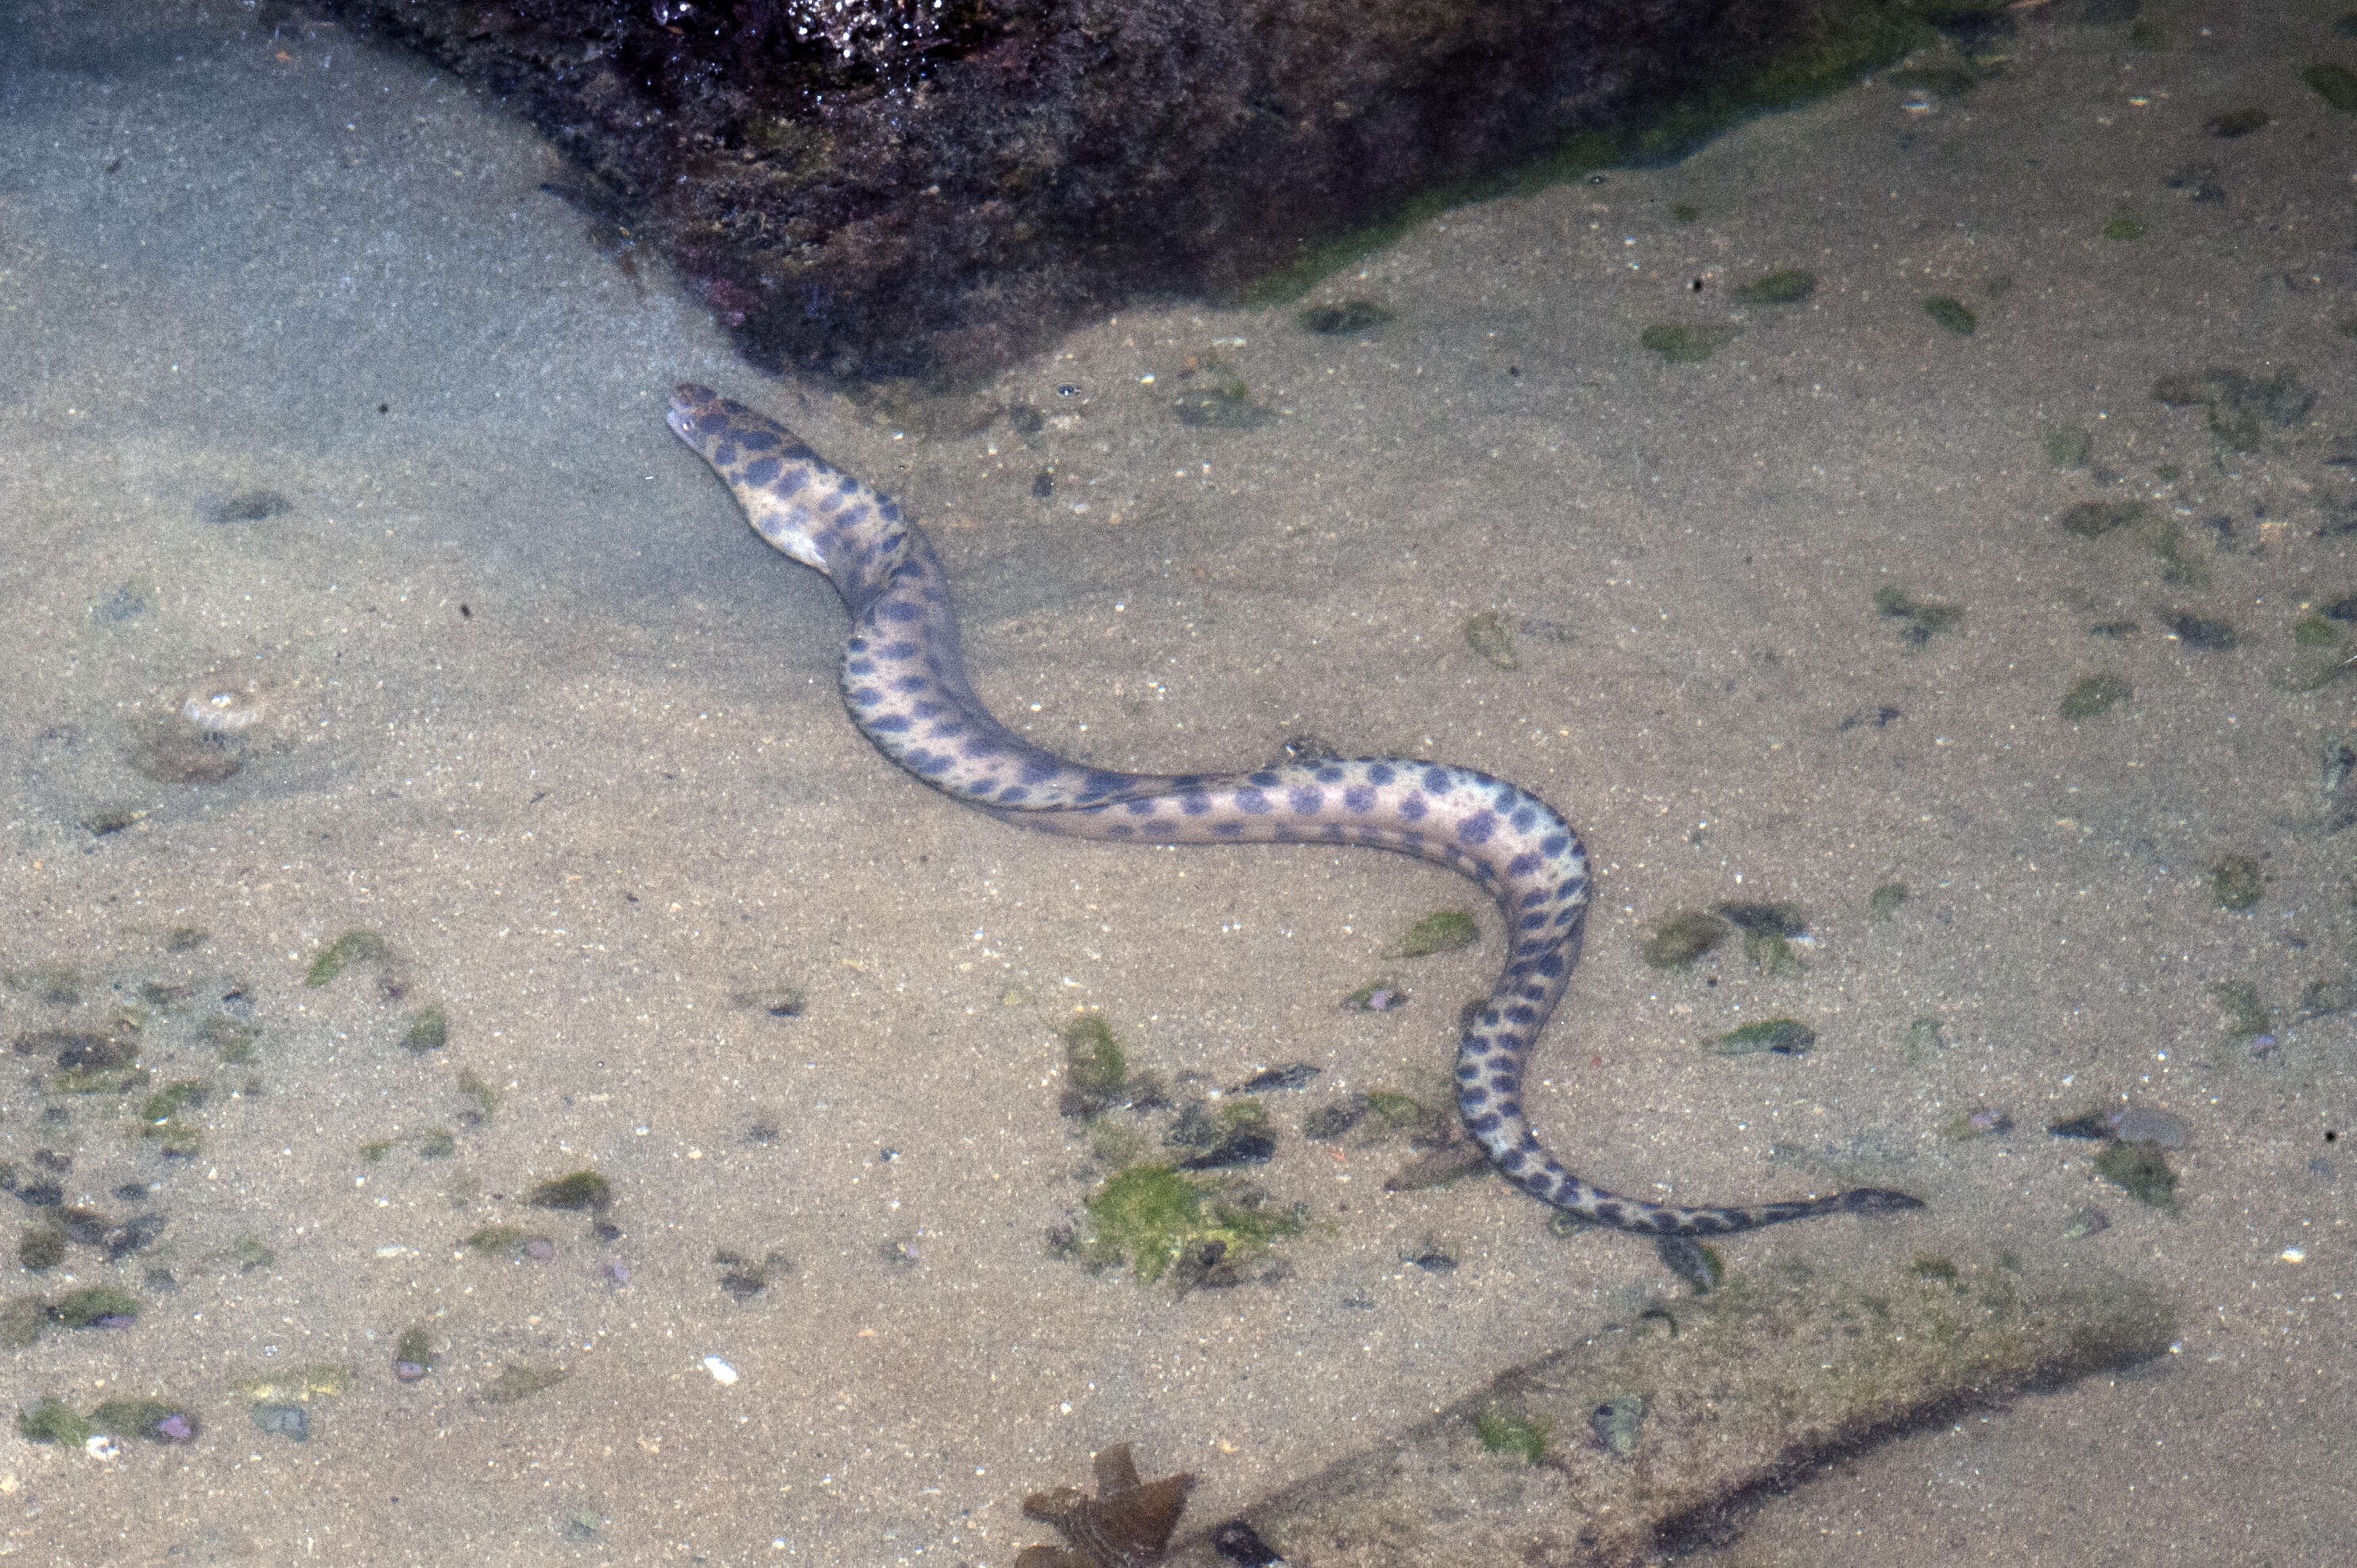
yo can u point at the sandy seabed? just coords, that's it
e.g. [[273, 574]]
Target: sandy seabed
[[318, 405]]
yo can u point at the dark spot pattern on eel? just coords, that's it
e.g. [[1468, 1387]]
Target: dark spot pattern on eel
[[904, 682]]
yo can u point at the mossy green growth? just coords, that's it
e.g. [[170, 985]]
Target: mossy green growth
[[1679, 344], [1503, 1433], [22, 1321], [96, 1080], [1770, 953], [518, 1381], [2242, 1014], [436, 1143], [1397, 1109], [430, 1030], [1443, 930], [353, 946], [52, 1421], [2335, 83], [1885, 901], [171, 1100], [1785, 1037], [2068, 447], [2123, 229], [1683, 938], [1932, 1266], [41, 1247], [490, 1239], [1491, 635], [1094, 1063], [2093, 519], [2140, 1170], [415, 1349], [2314, 631], [1952, 313], [84, 1308], [376, 1149], [582, 1189], [2092, 694], [1789, 286], [476, 1089], [1922, 620], [236, 1041], [2235, 881], [137, 1418], [1152, 1216], [251, 1252]]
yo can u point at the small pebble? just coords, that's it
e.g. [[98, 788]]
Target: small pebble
[[99, 1445], [1989, 1122], [407, 1372], [2263, 1044], [176, 1428], [722, 1372], [2085, 1222], [540, 1250], [115, 1320]]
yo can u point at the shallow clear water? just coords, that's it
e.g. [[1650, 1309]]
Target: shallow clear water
[[317, 399]]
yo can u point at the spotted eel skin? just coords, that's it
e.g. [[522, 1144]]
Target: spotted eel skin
[[904, 681]]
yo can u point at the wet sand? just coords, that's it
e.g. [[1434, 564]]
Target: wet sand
[[544, 714]]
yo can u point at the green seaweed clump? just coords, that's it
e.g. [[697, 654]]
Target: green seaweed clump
[[2123, 229], [2335, 83], [1923, 618], [2244, 1013], [1789, 286], [1785, 1037], [428, 1031], [1491, 635], [41, 1248], [1096, 1069], [2243, 408], [52, 1421], [1885, 901], [2140, 1170], [353, 946], [1152, 1218], [2314, 631], [1348, 317], [157, 1421], [2095, 694], [1443, 930], [2234, 880], [2068, 447], [1683, 938], [518, 1382], [1953, 314], [1503, 1433], [2093, 519], [582, 1189], [1682, 345], [87, 1307], [496, 1238]]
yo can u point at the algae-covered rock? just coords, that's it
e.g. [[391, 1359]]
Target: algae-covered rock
[[1650, 1437]]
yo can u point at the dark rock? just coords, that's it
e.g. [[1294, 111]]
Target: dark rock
[[877, 189]]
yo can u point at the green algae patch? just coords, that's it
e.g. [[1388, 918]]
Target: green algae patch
[[1784, 1037], [52, 1421], [1886, 900], [157, 1421], [1153, 1218], [2242, 1013], [1491, 635], [353, 947], [1953, 314], [94, 1305], [1500, 1433], [2236, 881], [497, 1240], [1920, 621], [2242, 408], [2093, 519], [1679, 344], [296, 1385], [2093, 695], [2122, 229], [517, 1382], [1763, 1381], [1443, 930], [2068, 447], [582, 1189], [430, 1030], [1789, 286], [2336, 84], [22, 1321], [2141, 1171], [1678, 942]]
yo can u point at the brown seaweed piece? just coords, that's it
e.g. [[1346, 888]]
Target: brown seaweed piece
[[1126, 1525]]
